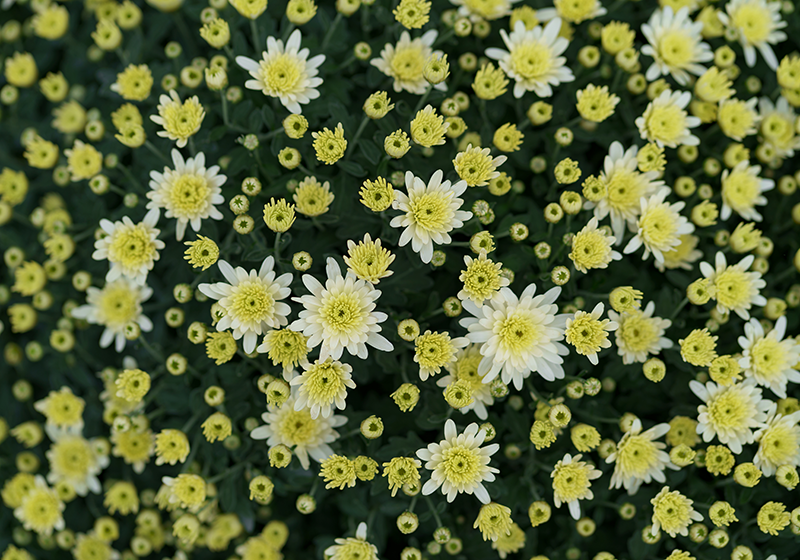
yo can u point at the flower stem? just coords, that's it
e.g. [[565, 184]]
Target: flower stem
[[331, 29], [433, 511], [276, 250], [678, 309], [422, 100], [149, 145], [225, 118], [254, 32], [354, 141]]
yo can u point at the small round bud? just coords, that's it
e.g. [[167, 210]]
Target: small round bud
[[214, 395], [372, 427], [654, 370], [302, 261], [559, 415], [560, 275], [452, 307], [176, 364], [407, 522], [408, 330]]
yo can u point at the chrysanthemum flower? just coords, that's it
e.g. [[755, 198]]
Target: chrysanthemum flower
[[74, 460], [428, 128], [666, 122], [405, 61], [742, 191], [730, 412], [596, 104], [640, 333], [482, 279], [436, 350], [675, 44], [297, 430], [430, 212], [476, 166], [757, 23], [778, 442], [738, 119], [673, 512], [777, 126], [285, 72], [312, 198], [572, 481], [588, 334], [459, 464], [41, 509], [131, 249], [519, 336], [330, 145], [188, 193], [735, 289], [770, 358], [659, 227], [341, 314], [479, 10], [533, 58], [62, 409], [638, 458], [493, 521], [591, 248], [368, 260], [322, 385], [179, 119], [251, 300], [465, 370], [358, 547], [115, 306]]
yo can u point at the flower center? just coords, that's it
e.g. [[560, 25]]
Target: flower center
[[676, 48], [297, 427], [635, 455], [733, 288], [117, 306], [753, 22], [461, 465], [624, 190], [532, 60], [740, 190], [407, 63], [252, 302], [638, 333], [586, 334], [768, 357], [132, 247], [324, 382], [342, 313], [517, 333], [779, 444], [666, 123], [72, 458], [658, 226], [729, 410], [188, 195], [282, 74], [570, 481], [431, 211]]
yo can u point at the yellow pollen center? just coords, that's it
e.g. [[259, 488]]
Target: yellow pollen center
[[740, 190], [407, 63], [517, 333], [251, 302], [282, 74], [431, 211], [658, 226], [586, 334], [636, 455], [188, 195], [676, 48], [342, 313], [570, 481], [297, 427], [666, 123], [132, 247], [72, 457], [733, 288], [638, 332], [753, 22], [729, 410], [324, 382], [624, 190], [768, 357], [461, 465], [779, 444], [532, 60], [117, 306]]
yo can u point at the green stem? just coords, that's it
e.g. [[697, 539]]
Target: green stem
[[331, 29], [276, 249], [224, 100], [254, 32], [422, 100], [227, 472], [678, 309], [149, 145], [433, 511], [354, 141]]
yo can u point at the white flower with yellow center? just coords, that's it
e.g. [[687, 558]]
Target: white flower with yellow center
[[430, 212], [189, 192], [482, 279], [572, 482], [588, 334], [770, 358], [180, 119], [660, 226], [640, 334], [735, 289], [465, 368], [131, 249], [435, 350], [116, 306], [676, 45], [778, 442], [638, 458], [625, 187], [41, 509], [74, 460], [296, 429], [592, 248], [405, 61], [341, 314], [357, 548], [533, 58], [673, 512], [683, 255], [730, 412], [518, 336], [322, 385], [742, 191], [459, 464], [285, 72], [479, 10], [777, 127], [757, 23], [666, 122], [572, 11], [250, 300]]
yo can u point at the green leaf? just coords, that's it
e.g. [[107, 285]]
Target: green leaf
[[352, 168]]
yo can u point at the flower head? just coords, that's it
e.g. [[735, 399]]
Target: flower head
[[482, 279], [591, 248], [312, 198], [588, 334], [770, 359], [405, 61], [778, 442], [666, 122], [638, 458], [640, 333], [368, 260], [673, 512], [757, 23], [322, 386], [350, 548], [734, 288], [330, 145], [675, 45], [742, 190], [179, 119], [572, 481], [660, 226], [476, 166]]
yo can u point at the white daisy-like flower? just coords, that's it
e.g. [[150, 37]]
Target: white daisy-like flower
[[533, 58], [640, 333], [573, 11], [482, 279], [730, 412], [357, 548], [341, 314], [131, 249], [572, 482], [625, 187], [592, 248], [660, 226], [683, 256], [405, 61], [116, 306], [179, 119], [322, 386], [638, 458], [770, 358], [666, 122], [41, 509], [188, 193], [588, 333], [459, 464], [285, 72], [742, 191], [250, 300], [757, 23], [778, 442], [735, 289], [465, 368], [480, 10], [518, 336], [296, 429], [673, 512], [74, 460], [676, 45], [778, 122], [430, 212]]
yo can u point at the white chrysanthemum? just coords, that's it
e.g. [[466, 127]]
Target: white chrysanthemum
[[285, 72], [480, 10], [735, 289], [770, 358], [41, 510], [518, 336], [625, 187], [757, 23], [296, 429], [465, 368], [683, 256], [341, 314], [459, 464], [676, 45], [115, 306], [405, 61], [572, 482], [588, 333], [74, 460], [482, 279], [638, 458], [357, 548], [131, 249], [778, 122], [666, 122], [778, 442], [592, 248], [572, 11], [322, 386], [188, 193], [640, 334], [730, 412], [250, 300], [533, 58], [660, 226], [742, 191], [430, 212]]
